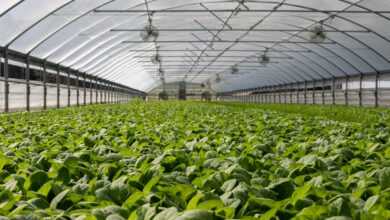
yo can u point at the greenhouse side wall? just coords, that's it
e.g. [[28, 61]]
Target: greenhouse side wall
[[32, 85], [371, 90]]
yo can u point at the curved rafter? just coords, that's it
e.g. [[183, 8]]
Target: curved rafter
[[106, 58]]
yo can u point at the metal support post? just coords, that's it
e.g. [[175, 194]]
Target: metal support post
[[360, 90], [68, 86], [91, 90], [6, 83], [97, 91], [313, 93], [77, 89], [58, 86], [333, 91], [28, 87], [346, 91], [323, 92], [298, 87], [376, 93], [44, 85], [305, 93], [85, 88]]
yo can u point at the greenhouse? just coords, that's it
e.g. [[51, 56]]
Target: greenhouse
[[195, 109]]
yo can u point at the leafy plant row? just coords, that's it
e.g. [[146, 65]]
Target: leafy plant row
[[183, 161]]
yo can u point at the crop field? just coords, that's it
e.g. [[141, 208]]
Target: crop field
[[192, 161]]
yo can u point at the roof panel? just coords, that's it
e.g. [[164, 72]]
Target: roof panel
[[203, 38]]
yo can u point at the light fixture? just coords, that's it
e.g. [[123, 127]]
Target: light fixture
[[156, 59], [234, 69], [317, 33], [149, 33]]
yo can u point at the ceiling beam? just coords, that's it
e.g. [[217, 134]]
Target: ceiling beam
[[225, 41], [243, 11], [237, 30]]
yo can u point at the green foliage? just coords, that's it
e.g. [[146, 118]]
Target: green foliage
[[189, 161]]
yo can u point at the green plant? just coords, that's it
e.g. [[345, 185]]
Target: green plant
[[181, 160]]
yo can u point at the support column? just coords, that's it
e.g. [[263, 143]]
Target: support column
[[85, 88], [68, 86], [6, 83], [376, 93], [346, 91], [298, 87], [333, 91], [313, 92], [91, 90], [28, 87], [58, 86], [44, 86], [274, 94], [360, 90], [77, 89], [323, 91], [96, 90], [305, 93]]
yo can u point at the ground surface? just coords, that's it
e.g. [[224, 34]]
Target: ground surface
[[175, 160]]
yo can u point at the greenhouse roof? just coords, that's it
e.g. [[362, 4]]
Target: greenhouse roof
[[230, 44]]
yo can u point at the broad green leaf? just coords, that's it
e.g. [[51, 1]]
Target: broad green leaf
[[148, 187], [210, 204], [300, 193], [56, 200], [370, 202], [193, 203], [167, 214], [133, 198]]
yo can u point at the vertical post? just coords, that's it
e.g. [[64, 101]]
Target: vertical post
[[376, 89], [323, 92], [102, 90], [58, 86], [6, 83], [28, 88], [90, 90], [313, 92], [68, 86], [77, 89], [305, 93], [346, 90], [360, 90], [298, 87], [291, 93], [333, 91], [85, 88], [44, 85], [97, 91]]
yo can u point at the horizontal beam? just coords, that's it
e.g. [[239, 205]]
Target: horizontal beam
[[243, 56], [184, 65], [239, 30], [218, 61], [225, 41], [151, 11], [21, 57], [233, 50]]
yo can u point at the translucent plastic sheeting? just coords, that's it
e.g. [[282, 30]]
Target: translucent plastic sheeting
[[102, 38]]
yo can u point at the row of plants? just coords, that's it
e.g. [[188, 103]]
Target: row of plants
[[365, 115], [190, 161]]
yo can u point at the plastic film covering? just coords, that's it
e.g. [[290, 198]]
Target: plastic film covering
[[200, 41]]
